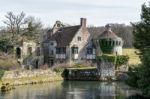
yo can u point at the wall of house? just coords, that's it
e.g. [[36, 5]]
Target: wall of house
[[117, 50], [28, 58], [85, 37], [26, 45]]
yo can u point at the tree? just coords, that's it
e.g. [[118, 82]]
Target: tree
[[34, 28], [14, 22], [141, 31]]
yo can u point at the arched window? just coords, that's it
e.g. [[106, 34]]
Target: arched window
[[109, 42], [18, 52], [74, 50], [116, 42], [29, 51], [120, 43], [38, 51], [113, 43]]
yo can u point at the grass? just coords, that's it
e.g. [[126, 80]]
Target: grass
[[31, 80], [133, 57], [81, 68], [8, 63]]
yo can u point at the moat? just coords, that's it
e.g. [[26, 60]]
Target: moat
[[73, 90]]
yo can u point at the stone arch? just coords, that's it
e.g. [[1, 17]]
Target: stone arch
[[119, 42], [109, 42], [18, 52], [29, 50], [37, 64], [113, 43]]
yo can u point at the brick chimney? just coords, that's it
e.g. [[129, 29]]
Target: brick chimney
[[83, 22]]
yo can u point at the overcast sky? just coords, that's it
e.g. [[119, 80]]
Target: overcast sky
[[97, 12]]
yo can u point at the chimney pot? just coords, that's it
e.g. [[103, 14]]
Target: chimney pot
[[83, 22]]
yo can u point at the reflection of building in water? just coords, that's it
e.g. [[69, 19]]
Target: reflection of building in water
[[95, 90], [71, 90]]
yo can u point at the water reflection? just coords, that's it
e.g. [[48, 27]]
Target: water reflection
[[72, 90]]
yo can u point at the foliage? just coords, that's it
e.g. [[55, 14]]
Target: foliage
[[8, 63], [142, 43], [5, 45], [105, 46], [133, 77], [1, 73], [34, 28], [122, 60], [118, 60], [79, 65]]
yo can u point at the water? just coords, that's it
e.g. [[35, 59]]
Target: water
[[72, 90]]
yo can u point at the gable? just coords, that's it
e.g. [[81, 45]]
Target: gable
[[64, 35]]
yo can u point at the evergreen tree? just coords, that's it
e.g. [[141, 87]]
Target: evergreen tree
[[142, 42]]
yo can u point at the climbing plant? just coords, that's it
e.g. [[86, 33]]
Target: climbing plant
[[105, 46], [117, 60]]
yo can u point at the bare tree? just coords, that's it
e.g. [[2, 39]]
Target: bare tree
[[14, 22]]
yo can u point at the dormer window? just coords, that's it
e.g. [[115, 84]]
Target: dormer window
[[79, 38]]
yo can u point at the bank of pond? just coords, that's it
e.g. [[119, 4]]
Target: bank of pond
[[12, 79], [73, 90]]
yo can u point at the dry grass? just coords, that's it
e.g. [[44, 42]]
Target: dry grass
[[7, 63], [133, 57]]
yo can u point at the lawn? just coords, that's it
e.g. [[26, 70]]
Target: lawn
[[133, 58]]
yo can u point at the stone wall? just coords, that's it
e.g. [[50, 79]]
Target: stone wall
[[20, 77]]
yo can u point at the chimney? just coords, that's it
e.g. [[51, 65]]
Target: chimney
[[83, 22]]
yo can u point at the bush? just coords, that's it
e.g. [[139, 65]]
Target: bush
[[79, 65], [133, 77], [8, 64], [118, 60], [2, 73]]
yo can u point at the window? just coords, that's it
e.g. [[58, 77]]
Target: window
[[89, 51], [52, 43], [18, 52], [29, 50], [38, 51], [74, 50], [79, 38], [60, 50]]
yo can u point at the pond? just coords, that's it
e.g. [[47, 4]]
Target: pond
[[73, 90]]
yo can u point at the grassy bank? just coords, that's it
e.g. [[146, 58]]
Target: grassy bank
[[31, 80], [133, 57], [30, 77]]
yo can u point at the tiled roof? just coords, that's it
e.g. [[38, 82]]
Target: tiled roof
[[109, 34], [64, 35]]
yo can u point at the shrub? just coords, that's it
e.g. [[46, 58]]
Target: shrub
[[133, 77], [117, 60], [79, 65], [1, 73]]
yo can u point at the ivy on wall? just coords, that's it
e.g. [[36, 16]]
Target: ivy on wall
[[117, 60], [105, 46]]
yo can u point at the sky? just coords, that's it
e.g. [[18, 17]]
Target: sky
[[97, 12]]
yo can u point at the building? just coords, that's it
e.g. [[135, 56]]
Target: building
[[28, 53], [68, 44], [109, 43]]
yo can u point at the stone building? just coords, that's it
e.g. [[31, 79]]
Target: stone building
[[109, 43], [28, 53], [68, 44]]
